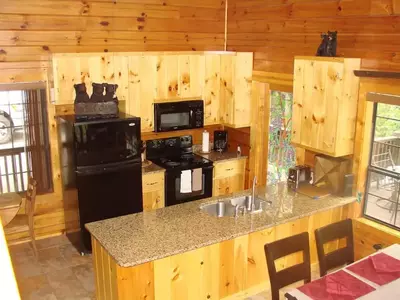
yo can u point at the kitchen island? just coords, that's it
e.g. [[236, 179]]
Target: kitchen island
[[180, 252]]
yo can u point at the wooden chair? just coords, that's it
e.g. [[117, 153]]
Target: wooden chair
[[339, 257], [284, 247], [24, 222]]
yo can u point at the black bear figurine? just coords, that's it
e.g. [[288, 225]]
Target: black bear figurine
[[111, 90], [81, 93], [328, 45], [98, 93]]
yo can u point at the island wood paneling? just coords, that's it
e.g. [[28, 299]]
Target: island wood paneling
[[212, 272], [279, 30]]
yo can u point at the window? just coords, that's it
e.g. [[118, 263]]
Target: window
[[281, 154], [382, 191], [24, 144]]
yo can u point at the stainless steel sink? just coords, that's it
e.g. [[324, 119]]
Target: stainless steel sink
[[234, 207]]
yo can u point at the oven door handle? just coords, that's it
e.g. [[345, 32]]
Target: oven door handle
[[172, 171], [208, 168]]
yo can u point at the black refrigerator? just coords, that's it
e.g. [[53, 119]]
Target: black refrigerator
[[101, 158]]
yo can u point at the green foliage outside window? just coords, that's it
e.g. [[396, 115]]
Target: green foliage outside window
[[387, 121], [281, 154]]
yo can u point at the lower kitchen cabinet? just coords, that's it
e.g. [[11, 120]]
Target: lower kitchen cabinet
[[229, 177], [153, 191]]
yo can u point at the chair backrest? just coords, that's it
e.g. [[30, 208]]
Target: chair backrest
[[383, 160], [30, 197], [339, 257], [284, 247]]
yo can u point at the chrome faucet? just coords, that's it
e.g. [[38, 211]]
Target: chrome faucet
[[250, 203], [253, 195]]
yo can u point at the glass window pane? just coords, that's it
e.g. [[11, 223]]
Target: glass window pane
[[281, 154], [12, 141], [382, 198], [386, 145]]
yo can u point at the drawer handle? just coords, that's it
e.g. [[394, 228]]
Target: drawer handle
[[153, 183], [229, 169]]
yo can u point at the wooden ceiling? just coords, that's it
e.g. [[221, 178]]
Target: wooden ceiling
[[277, 30]]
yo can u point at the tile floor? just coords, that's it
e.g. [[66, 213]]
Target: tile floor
[[61, 273], [58, 273]]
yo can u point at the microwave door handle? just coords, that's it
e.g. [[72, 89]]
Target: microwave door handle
[[191, 113]]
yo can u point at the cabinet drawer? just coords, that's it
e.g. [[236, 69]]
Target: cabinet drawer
[[153, 181], [229, 168]]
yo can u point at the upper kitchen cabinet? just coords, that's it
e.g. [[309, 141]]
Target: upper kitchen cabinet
[[235, 92], [325, 104], [221, 79]]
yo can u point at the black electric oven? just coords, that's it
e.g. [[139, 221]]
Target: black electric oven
[[178, 115], [173, 183]]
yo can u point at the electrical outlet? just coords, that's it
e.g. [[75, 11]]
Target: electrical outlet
[[359, 197]]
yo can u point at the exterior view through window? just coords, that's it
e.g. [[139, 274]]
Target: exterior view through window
[[281, 154], [13, 159], [24, 143], [382, 191]]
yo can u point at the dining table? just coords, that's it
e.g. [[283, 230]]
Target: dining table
[[375, 277], [10, 204]]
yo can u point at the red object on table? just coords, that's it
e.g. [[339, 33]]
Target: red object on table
[[380, 268], [336, 286]]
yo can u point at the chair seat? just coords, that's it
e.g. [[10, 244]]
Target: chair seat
[[19, 224]]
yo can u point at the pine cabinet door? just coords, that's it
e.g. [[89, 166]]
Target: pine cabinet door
[[325, 103], [153, 191], [229, 177], [228, 185]]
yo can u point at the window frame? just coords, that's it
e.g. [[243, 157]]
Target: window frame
[[374, 169], [40, 88]]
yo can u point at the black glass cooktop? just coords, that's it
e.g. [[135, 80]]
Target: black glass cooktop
[[186, 161]]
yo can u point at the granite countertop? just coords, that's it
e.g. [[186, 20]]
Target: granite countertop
[[218, 157], [139, 238], [153, 168]]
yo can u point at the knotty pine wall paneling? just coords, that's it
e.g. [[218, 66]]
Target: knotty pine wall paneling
[[33, 30], [279, 30]]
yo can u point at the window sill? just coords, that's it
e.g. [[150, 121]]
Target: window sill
[[379, 226]]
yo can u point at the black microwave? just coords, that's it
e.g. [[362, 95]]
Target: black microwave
[[178, 115]]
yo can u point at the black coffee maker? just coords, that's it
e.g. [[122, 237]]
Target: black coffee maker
[[220, 140]]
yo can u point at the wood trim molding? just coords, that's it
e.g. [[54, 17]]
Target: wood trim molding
[[363, 136], [278, 81], [259, 128], [22, 86], [383, 98], [377, 74]]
